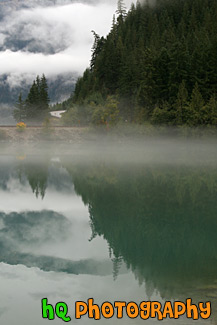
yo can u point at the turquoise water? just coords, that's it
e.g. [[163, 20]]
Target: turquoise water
[[128, 224]]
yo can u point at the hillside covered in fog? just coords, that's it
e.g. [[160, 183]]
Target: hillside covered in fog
[[47, 36]]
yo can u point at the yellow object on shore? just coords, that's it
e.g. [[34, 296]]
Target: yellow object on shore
[[21, 126]]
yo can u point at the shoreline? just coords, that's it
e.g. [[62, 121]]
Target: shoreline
[[121, 133], [10, 134]]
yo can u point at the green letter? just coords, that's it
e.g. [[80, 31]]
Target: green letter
[[61, 311], [47, 310]]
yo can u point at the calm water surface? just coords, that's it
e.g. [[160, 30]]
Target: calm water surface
[[130, 225]]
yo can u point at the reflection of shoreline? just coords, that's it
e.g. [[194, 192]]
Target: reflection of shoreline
[[163, 210], [159, 219], [38, 228], [55, 264]]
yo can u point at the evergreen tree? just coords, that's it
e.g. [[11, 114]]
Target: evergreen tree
[[209, 112], [32, 102], [20, 111], [121, 11], [94, 49], [43, 94], [181, 105], [195, 107], [155, 55], [36, 104]]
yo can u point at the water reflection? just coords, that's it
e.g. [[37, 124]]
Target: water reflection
[[158, 220]]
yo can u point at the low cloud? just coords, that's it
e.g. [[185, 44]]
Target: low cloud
[[53, 39], [17, 80], [38, 63]]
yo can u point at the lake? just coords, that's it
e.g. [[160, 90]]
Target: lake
[[133, 223]]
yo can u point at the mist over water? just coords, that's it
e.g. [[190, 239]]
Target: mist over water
[[132, 220]]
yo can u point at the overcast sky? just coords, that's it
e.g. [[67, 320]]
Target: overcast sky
[[51, 37]]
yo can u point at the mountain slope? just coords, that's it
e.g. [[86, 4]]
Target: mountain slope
[[159, 61]]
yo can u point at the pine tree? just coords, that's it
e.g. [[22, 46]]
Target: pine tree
[[43, 94], [96, 49], [181, 104], [20, 111], [146, 89], [36, 104], [149, 52], [121, 11], [32, 102], [195, 107], [209, 112]]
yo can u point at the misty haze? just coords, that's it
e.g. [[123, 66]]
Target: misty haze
[[108, 161], [113, 224]]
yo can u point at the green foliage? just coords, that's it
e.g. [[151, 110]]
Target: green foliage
[[209, 112], [43, 93], [181, 105], [77, 115], [95, 110], [111, 107], [162, 209], [70, 118], [37, 177], [162, 115], [155, 55], [195, 107], [107, 113], [94, 98], [36, 105], [99, 115]]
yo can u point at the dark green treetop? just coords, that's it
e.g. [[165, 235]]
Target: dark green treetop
[[36, 105]]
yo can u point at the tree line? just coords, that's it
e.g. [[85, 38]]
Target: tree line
[[35, 107], [158, 63]]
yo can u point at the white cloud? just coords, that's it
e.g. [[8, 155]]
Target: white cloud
[[51, 40], [38, 63], [15, 79]]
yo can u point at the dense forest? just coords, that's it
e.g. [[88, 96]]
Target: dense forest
[[158, 64]]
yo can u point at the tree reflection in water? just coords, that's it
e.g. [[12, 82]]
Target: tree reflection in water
[[159, 220]]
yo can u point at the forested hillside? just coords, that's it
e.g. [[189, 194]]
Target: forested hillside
[[158, 63], [21, 34]]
